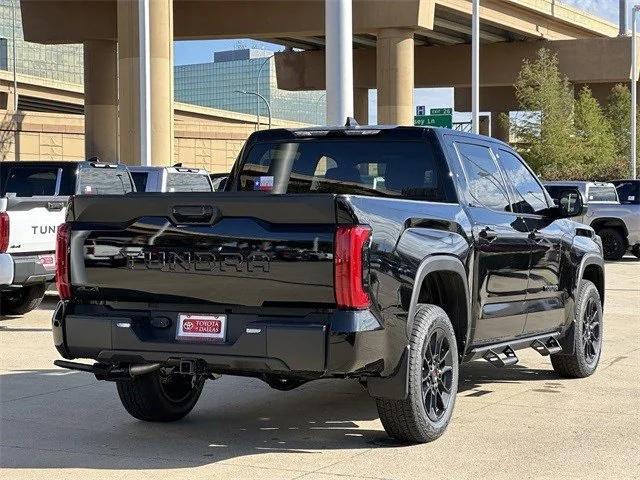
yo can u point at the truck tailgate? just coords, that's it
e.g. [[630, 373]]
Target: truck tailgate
[[33, 222], [238, 249]]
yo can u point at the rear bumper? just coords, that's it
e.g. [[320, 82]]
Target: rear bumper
[[19, 270], [339, 343]]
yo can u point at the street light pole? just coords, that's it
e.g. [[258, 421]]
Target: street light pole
[[264, 62], [244, 92], [634, 91], [475, 68], [339, 60], [13, 49]]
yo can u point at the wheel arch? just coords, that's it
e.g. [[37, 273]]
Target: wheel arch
[[442, 280], [610, 222]]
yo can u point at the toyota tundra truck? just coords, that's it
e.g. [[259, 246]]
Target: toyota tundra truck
[[387, 255], [33, 201]]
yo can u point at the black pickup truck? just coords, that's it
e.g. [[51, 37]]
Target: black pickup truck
[[390, 255]]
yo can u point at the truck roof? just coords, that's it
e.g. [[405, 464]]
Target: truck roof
[[392, 132]]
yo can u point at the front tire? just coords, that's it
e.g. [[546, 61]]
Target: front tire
[[433, 381], [160, 397], [22, 300], [614, 245], [587, 333]]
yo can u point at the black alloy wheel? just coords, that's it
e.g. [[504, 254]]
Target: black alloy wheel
[[591, 331], [437, 375]]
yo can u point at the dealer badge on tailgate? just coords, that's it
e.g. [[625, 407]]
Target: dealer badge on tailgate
[[196, 327]]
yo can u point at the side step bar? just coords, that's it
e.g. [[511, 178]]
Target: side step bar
[[502, 359], [504, 354]]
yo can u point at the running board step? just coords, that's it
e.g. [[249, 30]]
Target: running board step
[[504, 358], [546, 347]]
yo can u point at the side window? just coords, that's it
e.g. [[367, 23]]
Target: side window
[[529, 194], [483, 176]]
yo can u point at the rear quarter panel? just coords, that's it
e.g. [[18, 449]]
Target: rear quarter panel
[[404, 233]]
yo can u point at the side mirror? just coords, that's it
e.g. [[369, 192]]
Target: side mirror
[[570, 204]]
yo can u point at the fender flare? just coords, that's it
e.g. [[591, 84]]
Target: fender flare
[[590, 259], [439, 263]]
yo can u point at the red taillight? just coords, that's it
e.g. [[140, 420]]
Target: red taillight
[[349, 266], [4, 232], [63, 281]]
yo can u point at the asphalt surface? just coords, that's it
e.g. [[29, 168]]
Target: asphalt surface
[[513, 423]]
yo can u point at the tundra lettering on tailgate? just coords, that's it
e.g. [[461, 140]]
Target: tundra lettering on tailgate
[[192, 261]]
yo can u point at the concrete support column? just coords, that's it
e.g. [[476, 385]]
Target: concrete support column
[[145, 37], [499, 130], [101, 100], [395, 76], [161, 63], [361, 105]]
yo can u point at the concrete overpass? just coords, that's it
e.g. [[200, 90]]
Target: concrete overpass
[[388, 36]]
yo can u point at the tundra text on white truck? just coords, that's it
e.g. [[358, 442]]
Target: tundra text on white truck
[[33, 200]]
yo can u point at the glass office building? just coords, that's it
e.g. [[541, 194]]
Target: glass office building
[[219, 84], [55, 62]]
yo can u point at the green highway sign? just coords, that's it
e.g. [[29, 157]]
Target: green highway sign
[[442, 111], [445, 121]]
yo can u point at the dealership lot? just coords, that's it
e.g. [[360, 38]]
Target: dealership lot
[[521, 422]]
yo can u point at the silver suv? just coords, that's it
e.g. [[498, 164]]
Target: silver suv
[[617, 222]]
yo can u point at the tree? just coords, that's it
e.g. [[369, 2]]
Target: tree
[[546, 136], [618, 112], [596, 143]]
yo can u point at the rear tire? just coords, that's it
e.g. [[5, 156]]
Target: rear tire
[[587, 336], [433, 381], [614, 244], [156, 397], [22, 300]]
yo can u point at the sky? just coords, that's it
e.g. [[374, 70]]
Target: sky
[[201, 51]]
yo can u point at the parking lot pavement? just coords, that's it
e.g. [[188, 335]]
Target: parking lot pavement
[[518, 422]]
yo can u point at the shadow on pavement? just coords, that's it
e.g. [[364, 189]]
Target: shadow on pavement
[[56, 419]]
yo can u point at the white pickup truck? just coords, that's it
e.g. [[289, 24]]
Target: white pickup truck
[[33, 201]]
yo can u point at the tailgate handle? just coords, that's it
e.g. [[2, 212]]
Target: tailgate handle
[[55, 205], [186, 214]]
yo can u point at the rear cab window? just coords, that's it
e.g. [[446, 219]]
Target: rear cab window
[[103, 179], [602, 193], [36, 180], [188, 182], [407, 169]]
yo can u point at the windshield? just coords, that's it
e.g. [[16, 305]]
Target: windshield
[[370, 167], [628, 192]]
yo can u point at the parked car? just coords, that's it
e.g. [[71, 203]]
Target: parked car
[[629, 195], [171, 179], [303, 269], [33, 200], [618, 224]]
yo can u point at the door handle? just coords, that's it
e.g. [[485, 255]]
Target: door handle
[[193, 214], [488, 233]]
